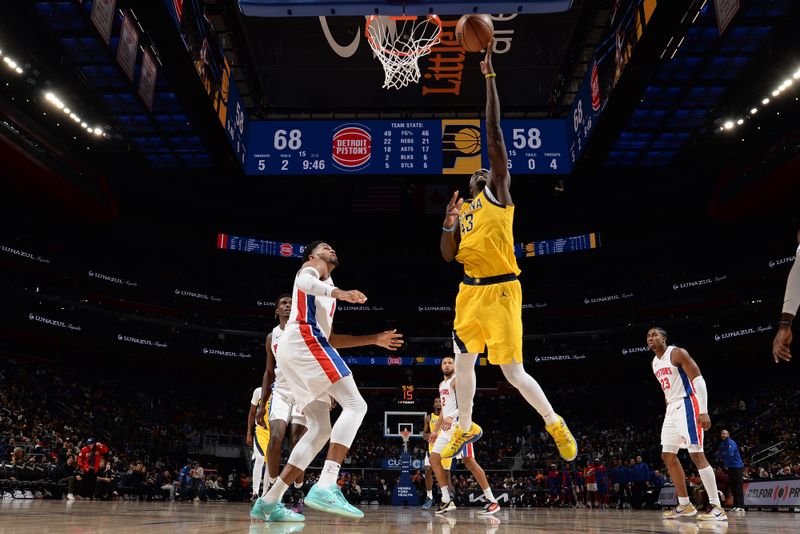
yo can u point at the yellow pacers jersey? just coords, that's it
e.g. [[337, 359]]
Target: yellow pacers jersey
[[487, 238], [434, 419]]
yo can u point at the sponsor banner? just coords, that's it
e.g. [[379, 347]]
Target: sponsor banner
[[772, 493], [23, 254], [358, 308], [699, 283], [147, 79], [722, 336], [128, 46], [335, 47], [195, 295], [668, 496], [607, 298], [260, 246], [782, 261], [111, 279], [634, 350], [207, 351], [534, 305], [558, 357], [265, 304], [103, 17], [141, 341], [477, 498], [394, 464], [36, 318], [434, 308]]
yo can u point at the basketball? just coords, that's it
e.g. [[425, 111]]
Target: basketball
[[474, 32]]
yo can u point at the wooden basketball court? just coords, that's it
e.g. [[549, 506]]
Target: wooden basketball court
[[20, 516]]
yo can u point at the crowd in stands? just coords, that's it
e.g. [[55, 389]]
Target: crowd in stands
[[49, 415]]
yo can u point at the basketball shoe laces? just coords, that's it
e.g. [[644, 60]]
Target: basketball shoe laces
[[561, 435]]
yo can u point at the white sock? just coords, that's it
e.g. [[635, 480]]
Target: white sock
[[330, 472], [489, 494], [683, 501], [465, 371], [272, 480], [445, 495], [710, 484], [529, 388], [298, 485], [275, 493], [429, 493]]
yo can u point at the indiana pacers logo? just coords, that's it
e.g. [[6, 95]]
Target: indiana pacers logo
[[461, 146]]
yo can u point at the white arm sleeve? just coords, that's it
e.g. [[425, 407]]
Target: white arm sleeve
[[699, 385], [308, 281], [791, 299]]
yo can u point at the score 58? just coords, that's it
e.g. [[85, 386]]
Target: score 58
[[530, 138]]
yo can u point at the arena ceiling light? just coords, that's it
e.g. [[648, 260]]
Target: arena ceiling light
[[778, 91], [53, 99]]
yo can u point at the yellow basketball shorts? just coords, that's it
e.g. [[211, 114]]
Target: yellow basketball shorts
[[262, 440], [489, 317]]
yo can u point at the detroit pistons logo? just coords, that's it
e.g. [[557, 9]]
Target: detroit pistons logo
[[351, 147], [595, 88]]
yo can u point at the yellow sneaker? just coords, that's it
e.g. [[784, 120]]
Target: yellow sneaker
[[460, 439], [567, 446], [717, 513], [680, 511]]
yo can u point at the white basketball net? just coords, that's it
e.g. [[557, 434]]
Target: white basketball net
[[399, 42]]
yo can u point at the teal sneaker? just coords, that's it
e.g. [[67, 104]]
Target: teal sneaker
[[274, 512], [332, 501]]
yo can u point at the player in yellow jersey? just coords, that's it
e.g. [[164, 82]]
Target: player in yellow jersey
[[430, 425], [260, 443], [478, 234]]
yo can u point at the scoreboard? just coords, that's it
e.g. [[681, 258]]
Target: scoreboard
[[559, 245], [446, 146]]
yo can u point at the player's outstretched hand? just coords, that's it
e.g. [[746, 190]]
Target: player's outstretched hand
[[453, 209], [447, 422], [781, 344], [260, 413], [486, 64], [353, 296], [704, 421], [389, 339]]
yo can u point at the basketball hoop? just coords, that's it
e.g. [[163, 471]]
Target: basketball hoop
[[405, 434], [399, 42]]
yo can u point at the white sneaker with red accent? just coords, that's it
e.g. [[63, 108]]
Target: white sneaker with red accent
[[490, 509]]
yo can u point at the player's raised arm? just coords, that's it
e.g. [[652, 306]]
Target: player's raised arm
[[448, 244], [388, 339], [791, 301], [499, 178]]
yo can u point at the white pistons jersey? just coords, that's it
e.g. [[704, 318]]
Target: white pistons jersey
[[309, 363], [674, 381], [314, 311], [447, 396], [279, 383]]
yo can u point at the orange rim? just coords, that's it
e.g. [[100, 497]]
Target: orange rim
[[431, 18]]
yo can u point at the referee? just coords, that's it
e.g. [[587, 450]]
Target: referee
[[729, 453]]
